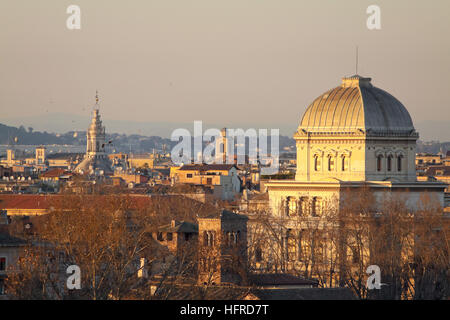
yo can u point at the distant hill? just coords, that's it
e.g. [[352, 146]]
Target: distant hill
[[13, 135]]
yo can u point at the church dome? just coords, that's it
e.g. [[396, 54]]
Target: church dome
[[357, 105]]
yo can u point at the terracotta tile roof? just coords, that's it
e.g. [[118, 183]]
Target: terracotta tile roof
[[55, 173], [33, 201], [25, 201]]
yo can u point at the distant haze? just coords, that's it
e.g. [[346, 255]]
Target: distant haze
[[161, 64]]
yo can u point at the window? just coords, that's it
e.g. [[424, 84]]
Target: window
[[399, 163], [187, 236], [344, 163], [379, 161], [208, 238], [299, 246], [389, 163], [315, 206], [208, 181], [292, 206], [160, 237], [330, 163], [2, 263], [169, 236], [258, 254], [316, 163], [2, 286], [189, 175], [355, 255], [286, 205]]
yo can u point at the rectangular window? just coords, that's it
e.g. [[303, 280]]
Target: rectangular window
[[169, 236], [189, 175], [2, 263]]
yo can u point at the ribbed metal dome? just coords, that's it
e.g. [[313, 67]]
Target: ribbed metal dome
[[356, 104]]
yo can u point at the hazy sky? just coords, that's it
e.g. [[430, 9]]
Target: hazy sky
[[252, 62]]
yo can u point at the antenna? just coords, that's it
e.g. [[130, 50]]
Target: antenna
[[357, 56]]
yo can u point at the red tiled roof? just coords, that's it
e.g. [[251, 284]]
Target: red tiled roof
[[32, 201], [54, 173], [25, 201]]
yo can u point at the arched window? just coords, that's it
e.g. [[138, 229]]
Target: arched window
[[379, 162], [389, 163], [315, 206], [286, 206], [316, 163], [299, 246], [330, 163], [399, 163], [292, 206], [205, 238], [208, 238], [302, 205]]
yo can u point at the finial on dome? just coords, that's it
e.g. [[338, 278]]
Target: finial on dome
[[96, 97]]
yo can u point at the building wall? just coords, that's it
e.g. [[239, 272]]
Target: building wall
[[324, 147], [353, 158]]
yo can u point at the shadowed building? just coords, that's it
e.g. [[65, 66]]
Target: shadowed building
[[222, 249]]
